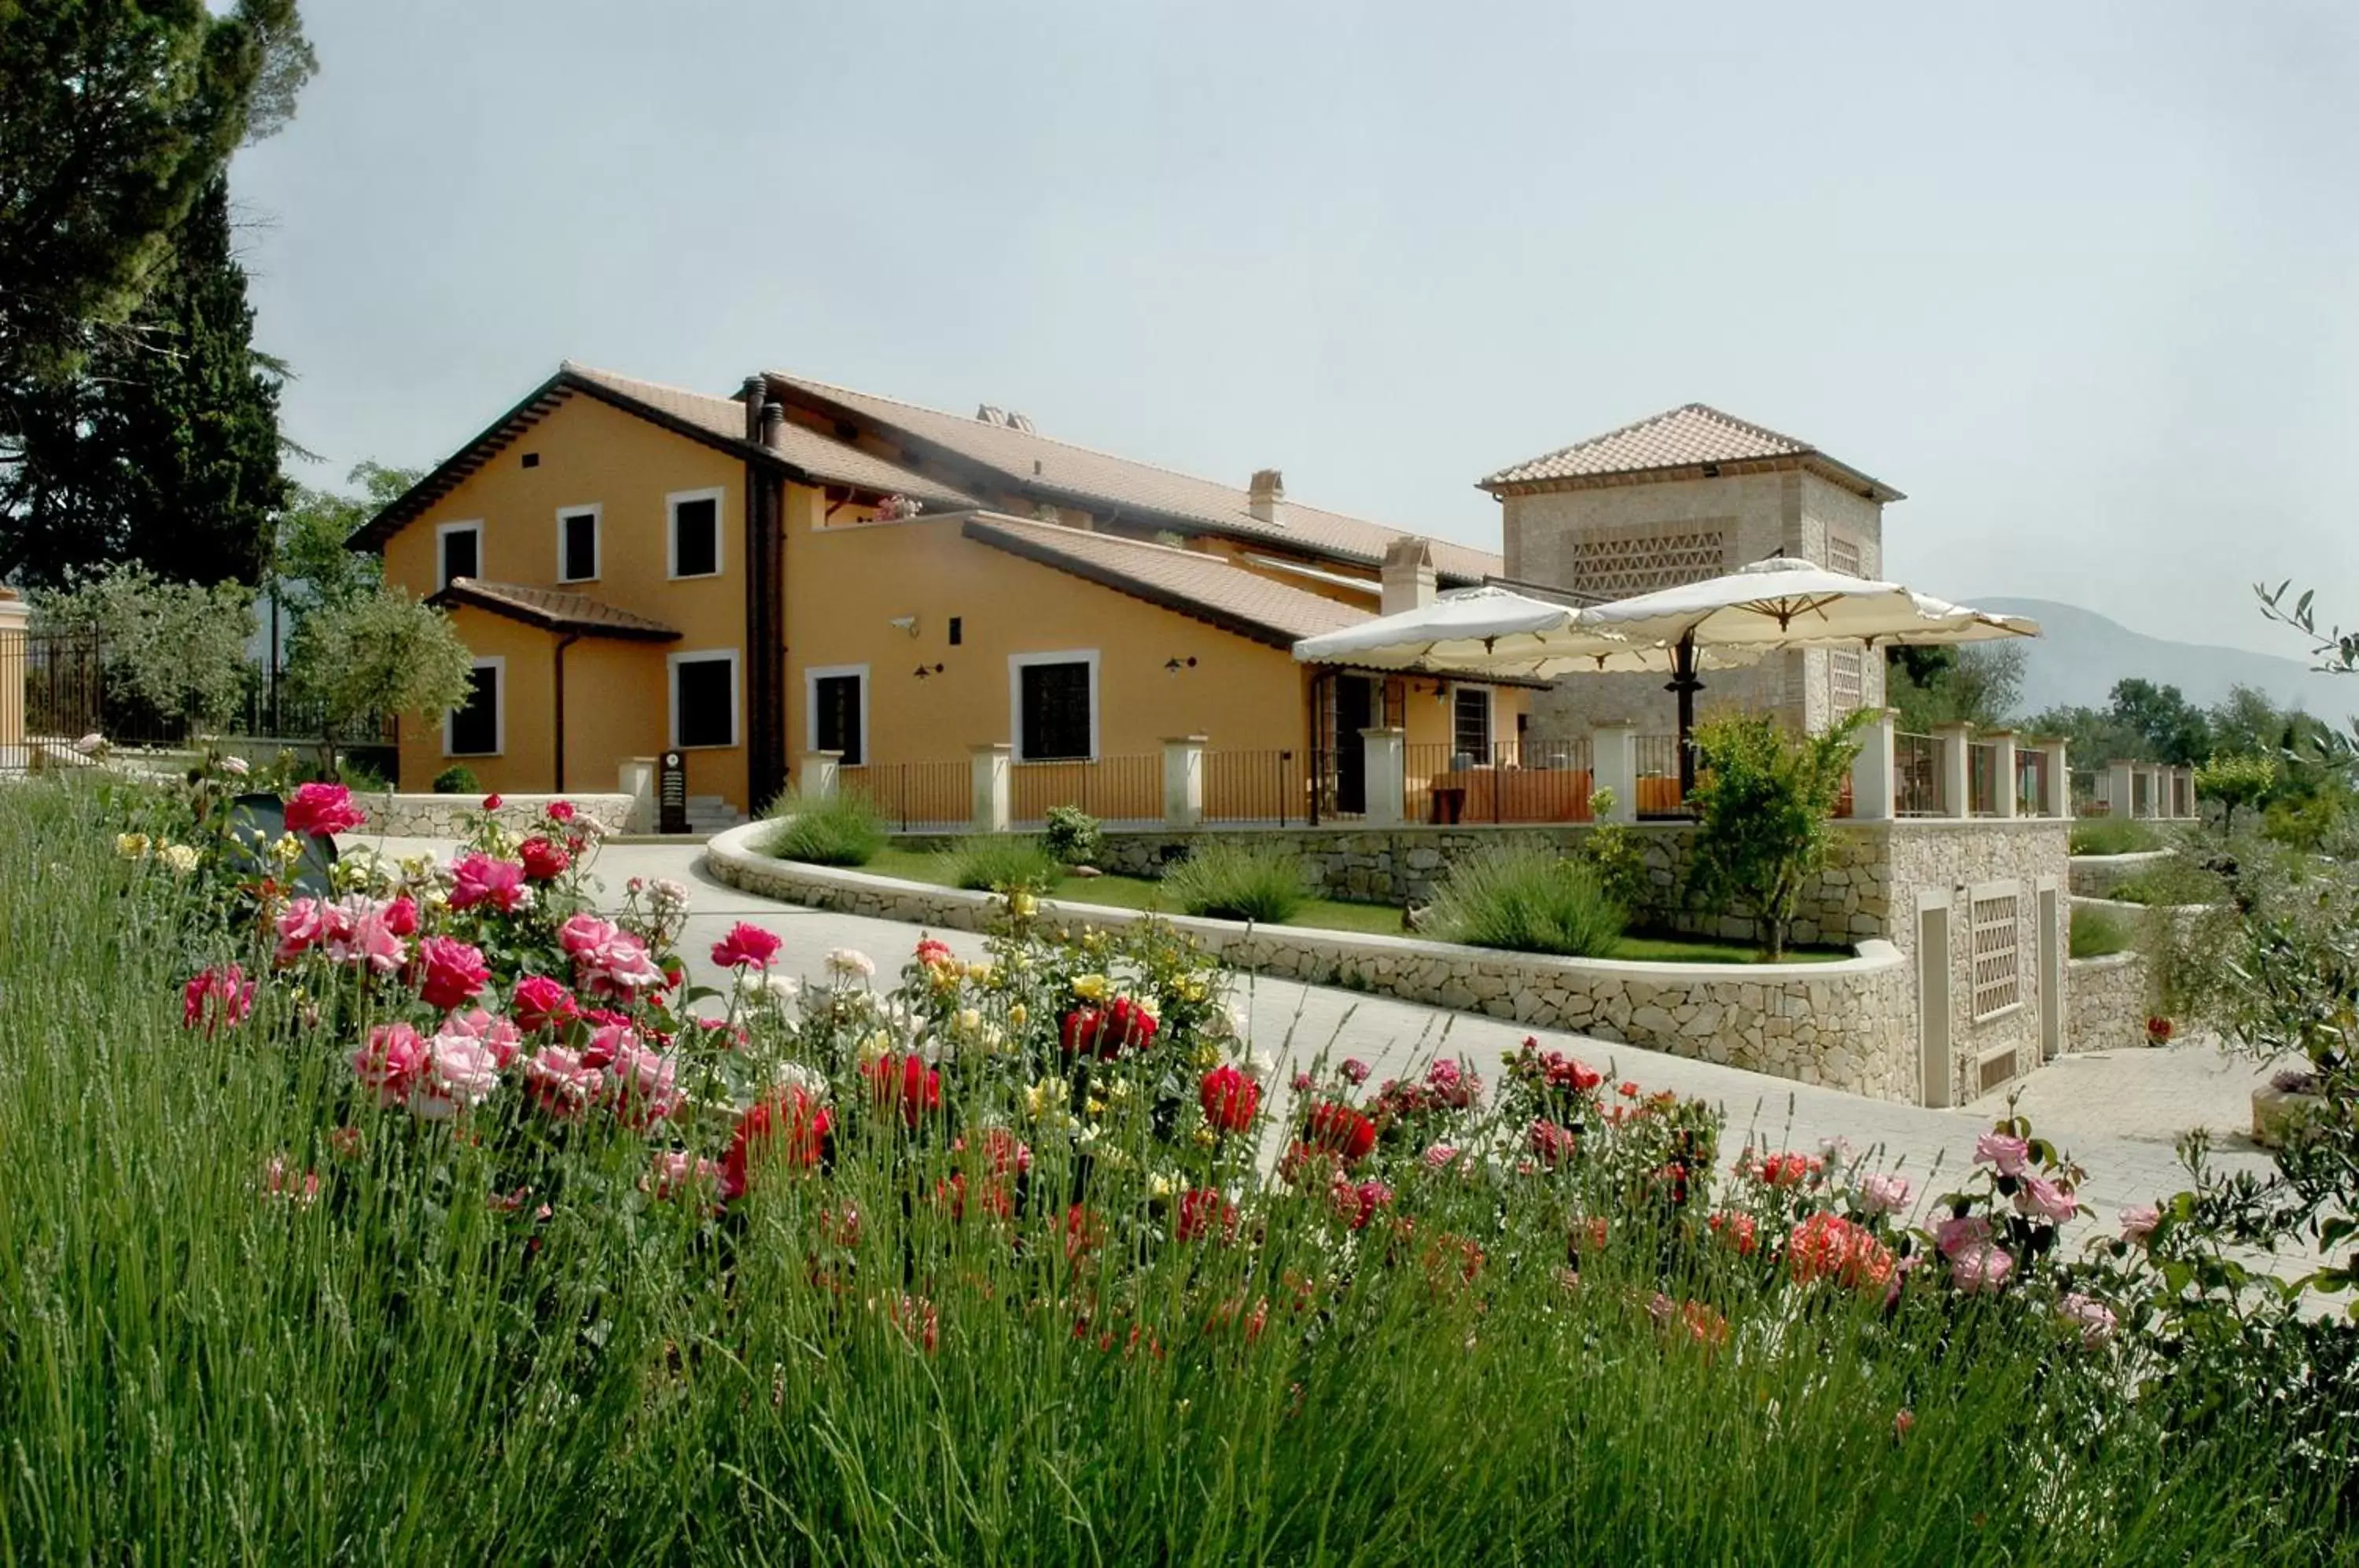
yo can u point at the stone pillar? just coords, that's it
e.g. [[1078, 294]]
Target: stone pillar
[[1387, 765], [1956, 769], [1183, 782], [993, 763], [1875, 777], [2121, 787], [637, 778], [2059, 780], [1614, 766], [2182, 798], [14, 650], [2003, 770], [816, 775]]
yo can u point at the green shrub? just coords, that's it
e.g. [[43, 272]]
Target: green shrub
[[2170, 882], [1072, 836], [999, 864], [1526, 897], [2113, 835], [456, 779], [1233, 881], [2096, 933], [1765, 800], [2236, 779], [844, 829]]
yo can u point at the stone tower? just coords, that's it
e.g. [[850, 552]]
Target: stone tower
[[1682, 496]]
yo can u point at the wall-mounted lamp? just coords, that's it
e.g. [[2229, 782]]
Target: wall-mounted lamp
[[924, 671], [905, 624], [1174, 666]]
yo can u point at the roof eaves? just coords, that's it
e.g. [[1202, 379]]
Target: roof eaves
[[465, 591], [981, 531]]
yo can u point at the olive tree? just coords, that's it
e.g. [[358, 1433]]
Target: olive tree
[[377, 651], [1765, 800], [172, 651]]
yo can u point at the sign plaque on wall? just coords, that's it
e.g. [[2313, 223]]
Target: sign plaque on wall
[[671, 793]]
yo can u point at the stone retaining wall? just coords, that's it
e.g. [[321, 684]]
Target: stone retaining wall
[[2095, 876], [1846, 1025], [446, 816], [2110, 997]]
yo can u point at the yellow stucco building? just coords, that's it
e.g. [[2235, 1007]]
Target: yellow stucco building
[[802, 568]]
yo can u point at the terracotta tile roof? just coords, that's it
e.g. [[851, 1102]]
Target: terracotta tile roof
[[1685, 437], [1037, 466], [553, 610], [1203, 586], [816, 454]]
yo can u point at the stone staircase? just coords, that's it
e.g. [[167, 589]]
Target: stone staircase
[[710, 814]]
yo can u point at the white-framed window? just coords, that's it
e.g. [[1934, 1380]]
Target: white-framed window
[[703, 698], [1994, 919], [479, 725], [835, 696], [578, 543], [1843, 555], [1052, 705], [1470, 721], [458, 551], [692, 533]]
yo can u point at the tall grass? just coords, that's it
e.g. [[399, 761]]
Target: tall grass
[[1001, 864], [843, 829], [2097, 932], [1526, 897], [2113, 835], [1233, 881], [192, 1370]]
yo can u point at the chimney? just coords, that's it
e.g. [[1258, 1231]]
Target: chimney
[[1407, 576], [754, 393], [1266, 496], [774, 425]]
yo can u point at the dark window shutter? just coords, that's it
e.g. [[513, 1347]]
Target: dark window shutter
[[475, 723], [836, 702], [459, 553], [706, 716], [1055, 705], [580, 547], [696, 537]]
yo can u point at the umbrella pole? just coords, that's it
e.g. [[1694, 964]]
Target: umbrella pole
[[1685, 685]]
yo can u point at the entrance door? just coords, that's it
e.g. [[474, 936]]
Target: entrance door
[[1355, 709], [1934, 999]]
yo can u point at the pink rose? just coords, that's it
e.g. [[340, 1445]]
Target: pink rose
[[675, 1171], [1356, 1070], [647, 1086], [1883, 1195], [453, 971], [401, 916], [2040, 1198], [1958, 1235], [1980, 1270], [612, 1038], [217, 996], [746, 947], [302, 925], [1438, 1157], [2138, 1222], [1997, 1149], [542, 1002], [499, 1036], [358, 934], [561, 1083], [479, 879], [612, 962], [319, 810], [460, 1074], [390, 1062], [2095, 1319]]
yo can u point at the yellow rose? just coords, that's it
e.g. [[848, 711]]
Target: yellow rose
[[131, 846], [180, 857], [288, 850], [1090, 988], [1016, 1015], [1023, 905], [875, 1047]]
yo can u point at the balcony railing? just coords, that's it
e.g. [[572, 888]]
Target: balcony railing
[[1111, 789], [916, 795], [1254, 786], [1531, 781], [1982, 779], [1916, 775]]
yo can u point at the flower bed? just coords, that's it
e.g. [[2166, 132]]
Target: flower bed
[[444, 1179]]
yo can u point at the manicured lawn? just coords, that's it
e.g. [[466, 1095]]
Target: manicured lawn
[[1329, 914]]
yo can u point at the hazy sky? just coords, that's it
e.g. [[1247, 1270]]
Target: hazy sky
[[2082, 279]]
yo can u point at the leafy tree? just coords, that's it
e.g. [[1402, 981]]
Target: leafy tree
[[379, 651], [2236, 779], [310, 565], [135, 420], [2175, 731], [1976, 684], [1765, 800], [175, 649]]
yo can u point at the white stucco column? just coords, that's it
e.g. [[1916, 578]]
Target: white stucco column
[[635, 777], [816, 775], [1956, 743], [2121, 787], [2182, 798], [2059, 780], [991, 764], [1873, 777], [1613, 768], [1386, 766], [2003, 770], [1183, 780], [14, 651]]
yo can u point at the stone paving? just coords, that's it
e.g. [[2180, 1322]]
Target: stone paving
[[2118, 1111]]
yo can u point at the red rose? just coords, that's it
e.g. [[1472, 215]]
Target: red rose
[[746, 947], [1339, 1129], [543, 861], [1230, 1099], [1356, 1205], [401, 916], [788, 1126], [560, 811], [908, 1082], [1202, 1212], [542, 1002], [1551, 1145], [1828, 1247], [451, 972], [491, 802], [321, 809]]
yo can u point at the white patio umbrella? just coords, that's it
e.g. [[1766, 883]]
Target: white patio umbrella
[[1494, 631]]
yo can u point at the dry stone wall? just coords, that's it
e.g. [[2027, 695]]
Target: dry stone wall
[[2109, 1001], [1846, 1025], [446, 816], [2096, 876]]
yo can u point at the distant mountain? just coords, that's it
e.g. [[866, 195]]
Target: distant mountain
[[2081, 654]]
